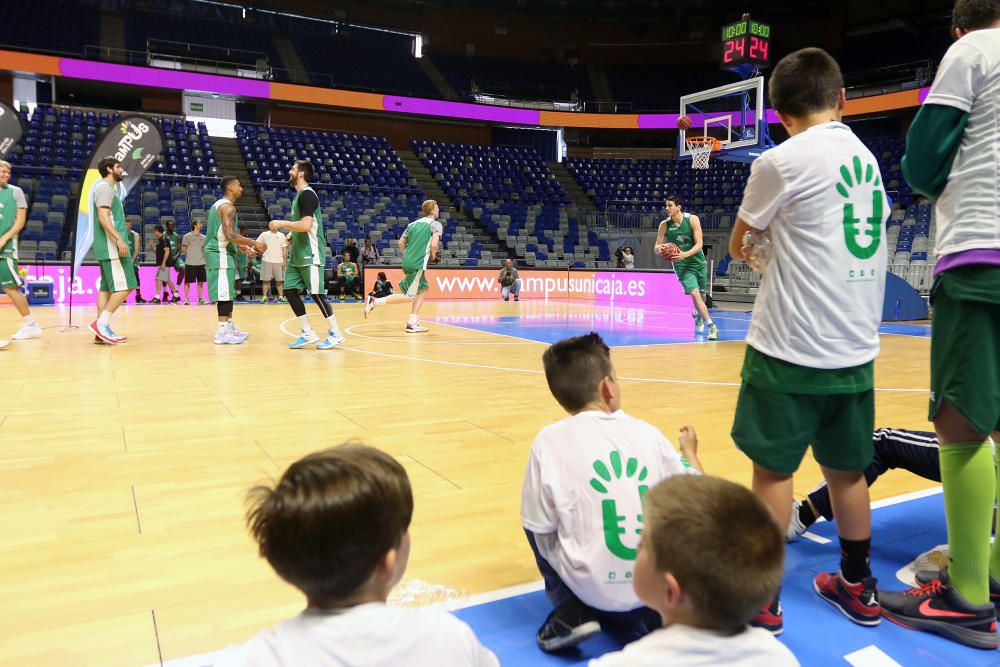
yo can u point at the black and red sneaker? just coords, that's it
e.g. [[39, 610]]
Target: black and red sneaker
[[770, 617], [937, 607], [858, 602], [927, 576]]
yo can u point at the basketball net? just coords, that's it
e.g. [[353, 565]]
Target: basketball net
[[701, 150]]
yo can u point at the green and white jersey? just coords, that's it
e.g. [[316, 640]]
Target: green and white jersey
[[103, 195], [133, 241], [821, 197], [682, 236], [220, 253], [175, 246], [418, 236], [308, 248], [11, 199]]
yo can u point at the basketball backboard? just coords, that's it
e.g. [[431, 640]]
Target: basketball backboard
[[734, 114]]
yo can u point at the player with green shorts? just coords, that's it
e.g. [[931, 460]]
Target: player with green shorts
[[306, 271], [808, 371], [419, 245], [222, 248], [951, 158], [13, 213], [110, 249], [684, 231]]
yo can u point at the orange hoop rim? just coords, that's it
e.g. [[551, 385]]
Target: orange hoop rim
[[704, 140]]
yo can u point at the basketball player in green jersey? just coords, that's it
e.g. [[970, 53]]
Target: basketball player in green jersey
[[13, 212], [110, 249], [684, 231], [419, 245], [306, 272], [221, 248]]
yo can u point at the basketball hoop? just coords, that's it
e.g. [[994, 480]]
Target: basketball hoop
[[701, 148]]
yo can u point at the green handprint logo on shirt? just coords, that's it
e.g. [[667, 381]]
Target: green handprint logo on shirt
[[854, 188], [606, 479]]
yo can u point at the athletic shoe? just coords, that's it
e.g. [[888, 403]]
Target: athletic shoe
[[120, 339], [177, 298], [927, 576], [795, 526], [713, 332], [4, 344], [243, 335], [104, 333], [155, 299], [139, 299], [937, 607], [228, 337], [567, 626], [27, 331], [97, 340], [416, 328], [263, 299], [282, 299], [307, 338], [188, 302], [770, 618], [201, 302], [858, 602], [516, 298], [330, 342], [369, 305], [699, 324]]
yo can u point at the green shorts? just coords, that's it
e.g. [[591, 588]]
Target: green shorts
[[965, 345], [413, 283], [693, 278], [307, 279], [774, 429], [117, 275], [9, 277], [221, 284]]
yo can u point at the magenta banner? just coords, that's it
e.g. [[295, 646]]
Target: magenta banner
[[84, 286]]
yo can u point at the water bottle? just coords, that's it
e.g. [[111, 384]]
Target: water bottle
[[760, 249]]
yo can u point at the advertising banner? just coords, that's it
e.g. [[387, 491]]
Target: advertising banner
[[11, 129], [84, 283]]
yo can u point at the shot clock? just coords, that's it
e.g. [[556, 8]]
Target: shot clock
[[746, 42]]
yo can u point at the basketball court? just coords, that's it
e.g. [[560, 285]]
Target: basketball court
[[125, 542]]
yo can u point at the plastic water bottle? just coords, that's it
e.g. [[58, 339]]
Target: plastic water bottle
[[760, 249]]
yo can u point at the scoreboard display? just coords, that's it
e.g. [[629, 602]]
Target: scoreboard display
[[746, 42]]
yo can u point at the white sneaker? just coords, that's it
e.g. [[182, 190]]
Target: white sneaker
[[4, 343], [369, 305], [795, 526], [227, 337], [27, 331], [243, 334], [416, 328]]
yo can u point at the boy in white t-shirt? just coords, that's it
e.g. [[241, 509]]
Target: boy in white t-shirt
[[953, 156], [706, 571], [581, 503], [336, 526], [808, 375]]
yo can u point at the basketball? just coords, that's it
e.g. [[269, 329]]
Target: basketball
[[684, 122], [669, 250]]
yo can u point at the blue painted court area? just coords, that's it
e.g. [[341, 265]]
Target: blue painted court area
[[815, 631], [623, 326]]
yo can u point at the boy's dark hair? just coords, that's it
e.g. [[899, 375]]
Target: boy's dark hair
[[381, 276], [676, 200], [574, 367], [804, 82], [975, 14], [158, 228], [306, 169], [227, 181], [330, 519], [105, 166], [727, 555]]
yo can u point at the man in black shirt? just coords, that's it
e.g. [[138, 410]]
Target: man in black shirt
[[164, 261]]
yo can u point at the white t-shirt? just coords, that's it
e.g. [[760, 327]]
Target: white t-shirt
[[822, 197], [368, 635], [685, 646], [582, 471], [968, 210], [275, 243]]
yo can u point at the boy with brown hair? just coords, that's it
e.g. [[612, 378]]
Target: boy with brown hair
[[706, 572], [336, 526], [808, 374]]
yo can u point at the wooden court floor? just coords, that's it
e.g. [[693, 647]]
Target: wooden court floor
[[123, 470]]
